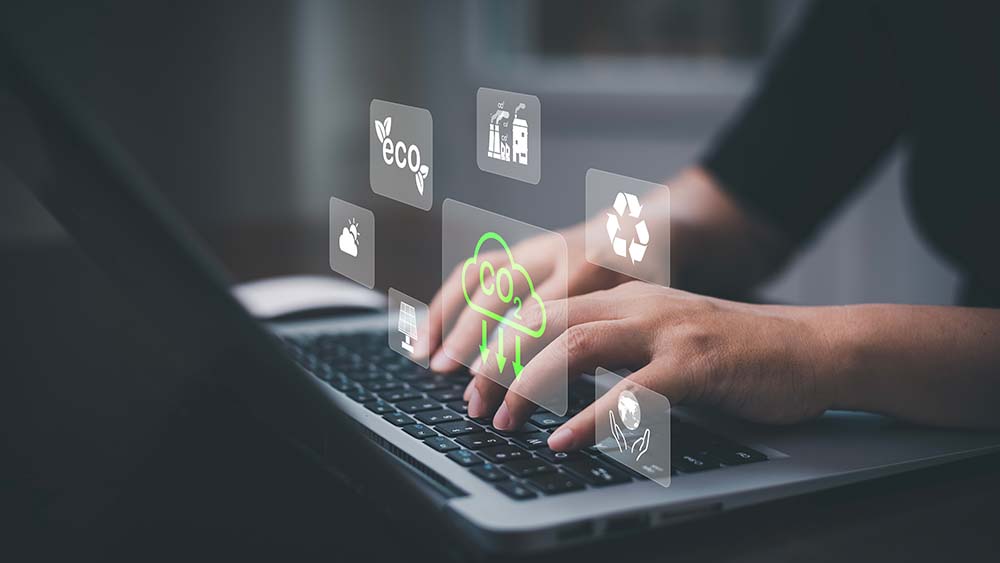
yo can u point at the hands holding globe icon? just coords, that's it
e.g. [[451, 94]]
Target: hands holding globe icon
[[631, 414]]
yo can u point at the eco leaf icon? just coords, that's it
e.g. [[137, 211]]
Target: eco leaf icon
[[424, 170], [388, 125], [380, 131], [420, 182]]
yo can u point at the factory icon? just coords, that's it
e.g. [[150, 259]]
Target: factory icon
[[508, 140]]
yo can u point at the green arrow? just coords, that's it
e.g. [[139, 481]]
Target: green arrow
[[501, 359], [483, 350], [517, 357]]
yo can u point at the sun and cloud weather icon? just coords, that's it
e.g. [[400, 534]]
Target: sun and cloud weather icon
[[500, 281]]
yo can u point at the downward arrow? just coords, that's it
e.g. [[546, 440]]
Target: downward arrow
[[517, 357], [501, 359], [483, 350]]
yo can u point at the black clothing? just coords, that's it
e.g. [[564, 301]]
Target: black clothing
[[851, 81]]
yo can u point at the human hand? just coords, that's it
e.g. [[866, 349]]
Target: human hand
[[762, 363]]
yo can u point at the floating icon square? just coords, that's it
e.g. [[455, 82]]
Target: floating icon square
[[501, 320], [509, 134], [407, 326], [628, 227], [632, 425], [401, 153], [352, 242]]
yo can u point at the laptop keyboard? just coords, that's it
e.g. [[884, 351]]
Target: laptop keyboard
[[429, 407]]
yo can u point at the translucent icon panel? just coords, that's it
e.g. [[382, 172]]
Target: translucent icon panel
[[504, 286], [628, 228], [407, 326], [509, 134], [352, 241], [632, 425], [401, 153]]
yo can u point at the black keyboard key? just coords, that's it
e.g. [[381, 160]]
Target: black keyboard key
[[516, 491], [344, 385], [378, 386], [547, 420], [481, 440], [399, 419], [438, 416], [458, 428], [596, 473], [380, 407], [441, 444], [555, 483], [557, 457], [361, 396], [447, 395], [503, 454], [737, 455], [465, 458], [433, 384], [398, 395], [524, 429], [459, 406], [418, 405], [489, 472], [419, 431], [691, 463], [531, 441], [528, 467]]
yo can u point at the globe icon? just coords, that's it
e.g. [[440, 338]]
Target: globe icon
[[628, 408]]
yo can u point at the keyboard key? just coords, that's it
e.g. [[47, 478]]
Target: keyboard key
[[380, 407], [441, 444], [524, 429], [447, 395], [528, 467], [417, 405], [503, 454], [557, 457], [555, 483], [433, 384], [489, 472], [400, 395], [481, 440], [547, 420], [460, 407], [458, 428], [465, 458], [596, 473], [437, 417], [399, 419], [531, 441], [738, 455], [516, 491], [344, 385], [419, 431], [691, 463], [376, 386], [361, 396]]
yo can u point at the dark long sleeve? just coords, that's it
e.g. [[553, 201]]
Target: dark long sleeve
[[828, 107]]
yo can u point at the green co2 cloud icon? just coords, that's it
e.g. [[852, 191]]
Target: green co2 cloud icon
[[500, 282]]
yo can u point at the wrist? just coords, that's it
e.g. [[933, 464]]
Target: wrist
[[838, 354]]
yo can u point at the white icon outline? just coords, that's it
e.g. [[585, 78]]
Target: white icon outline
[[349, 239], [636, 249], [401, 154], [631, 414], [407, 325]]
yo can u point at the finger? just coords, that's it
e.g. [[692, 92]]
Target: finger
[[581, 348], [485, 397], [662, 376]]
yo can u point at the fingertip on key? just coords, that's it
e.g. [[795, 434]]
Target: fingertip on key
[[562, 440]]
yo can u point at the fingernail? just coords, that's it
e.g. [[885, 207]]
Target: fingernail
[[501, 420], [475, 404], [562, 439], [468, 390], [439, 362]]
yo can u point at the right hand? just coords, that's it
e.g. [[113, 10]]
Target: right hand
[[538, 256]]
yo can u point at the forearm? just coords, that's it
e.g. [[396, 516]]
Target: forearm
[[931, 365]]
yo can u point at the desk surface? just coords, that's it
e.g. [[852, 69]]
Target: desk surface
[[80, 403]]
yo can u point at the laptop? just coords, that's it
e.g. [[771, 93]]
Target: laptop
[[390, 428]]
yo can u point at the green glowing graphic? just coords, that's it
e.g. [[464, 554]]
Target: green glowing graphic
[[493, 281]]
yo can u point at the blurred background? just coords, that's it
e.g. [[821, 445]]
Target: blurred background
[[250, 115]]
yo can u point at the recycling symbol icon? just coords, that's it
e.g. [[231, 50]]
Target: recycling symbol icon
[[636, 248]]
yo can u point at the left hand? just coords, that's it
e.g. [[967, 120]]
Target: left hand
[[759, 362]]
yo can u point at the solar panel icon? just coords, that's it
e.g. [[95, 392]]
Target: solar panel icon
[[407, 325]]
